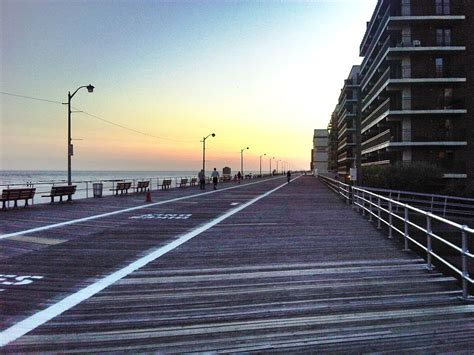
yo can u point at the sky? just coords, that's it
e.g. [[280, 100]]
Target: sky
[[258, 74]]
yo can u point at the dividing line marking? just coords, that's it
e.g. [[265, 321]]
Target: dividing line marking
[[74, 221], [21, 328]]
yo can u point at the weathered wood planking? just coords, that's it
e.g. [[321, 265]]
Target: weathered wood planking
[[298, 271]]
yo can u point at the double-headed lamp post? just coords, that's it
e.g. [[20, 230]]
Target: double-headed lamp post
[[70, 149], [261, 163], [204, 151], [242, 161]]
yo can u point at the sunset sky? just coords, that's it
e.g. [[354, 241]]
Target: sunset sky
[[261, 74]]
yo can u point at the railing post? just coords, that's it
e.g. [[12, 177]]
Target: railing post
[[429, 245], [406, 232], [379, 223], [356, 201], [349, 192], [390, 219], [87, 189], [465, 266], [444, 209], [370, 208], [363, 203]]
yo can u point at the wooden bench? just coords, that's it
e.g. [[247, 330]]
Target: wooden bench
[[17, 194], [183, 182], [122, 186], [143, 185], [166, 184], [60, 191], [193, 182]]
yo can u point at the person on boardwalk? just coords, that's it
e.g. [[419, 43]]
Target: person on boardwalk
[[202, 180], [288, 176], [239, 177], [215, 178]]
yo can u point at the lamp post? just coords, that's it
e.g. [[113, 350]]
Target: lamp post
[[271, 173], [242, 161], [204, 152], [277, 165], [70, 149], [261, 163]]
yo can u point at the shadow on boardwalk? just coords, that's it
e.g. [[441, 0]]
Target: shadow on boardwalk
[[296, 271]]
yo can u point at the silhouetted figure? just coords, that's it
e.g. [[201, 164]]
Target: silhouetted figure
[[202, 180], [239, 177], [215, 178], [288, 176]]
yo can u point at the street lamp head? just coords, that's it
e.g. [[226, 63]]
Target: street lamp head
[[213, 134], [90, 88], [247, 147]]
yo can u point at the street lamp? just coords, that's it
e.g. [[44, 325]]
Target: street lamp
[[277, 165], [271, 173], [242, 161], [204, 152], [261, 163], [70, 149]]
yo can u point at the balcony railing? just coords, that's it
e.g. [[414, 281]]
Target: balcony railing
[[375, 64], [427, 10], [375, 39], [407, 135], [377, 139], [378, 85], [385, 106]]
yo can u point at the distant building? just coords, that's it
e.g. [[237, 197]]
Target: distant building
[[348, 125], [417, 85], [320, 151]]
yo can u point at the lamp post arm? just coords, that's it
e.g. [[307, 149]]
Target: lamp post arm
[[74, 93]]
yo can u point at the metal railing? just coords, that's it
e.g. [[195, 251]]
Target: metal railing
[[406, 220], [85, 188]]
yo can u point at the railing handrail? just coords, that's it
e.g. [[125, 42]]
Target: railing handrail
[[363, 198]]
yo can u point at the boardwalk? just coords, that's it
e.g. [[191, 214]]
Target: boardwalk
[[260, 267]]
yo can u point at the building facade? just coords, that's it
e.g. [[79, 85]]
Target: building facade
[[348, 125], [320, 151], [417, 85], [332, 142]]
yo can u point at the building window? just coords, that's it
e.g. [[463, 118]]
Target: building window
[[443, 37], [439, 67], [443, 7]]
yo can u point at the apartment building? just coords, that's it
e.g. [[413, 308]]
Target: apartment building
[[332, 142], [320, 151], [417, 85], [348, 125]]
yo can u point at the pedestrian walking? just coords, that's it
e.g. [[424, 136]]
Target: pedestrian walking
[[239, 177], [202, 180], [288, 176], [215, 178]]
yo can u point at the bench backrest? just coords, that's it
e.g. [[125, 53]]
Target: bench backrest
[[184, 181], [18, 194], [63, 190], [123, 185], [143, 184], [193, 180], [167, 182]]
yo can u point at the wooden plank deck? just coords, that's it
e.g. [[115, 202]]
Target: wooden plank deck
[[296, 271]]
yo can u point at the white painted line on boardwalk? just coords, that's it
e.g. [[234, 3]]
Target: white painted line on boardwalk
[[21, 328], [80, 220]]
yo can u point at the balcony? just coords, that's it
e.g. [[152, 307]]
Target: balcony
[[415, 11], [383, 137], [376, 89], [444, 137], [382, 26], [374, 117], [372, 66]]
